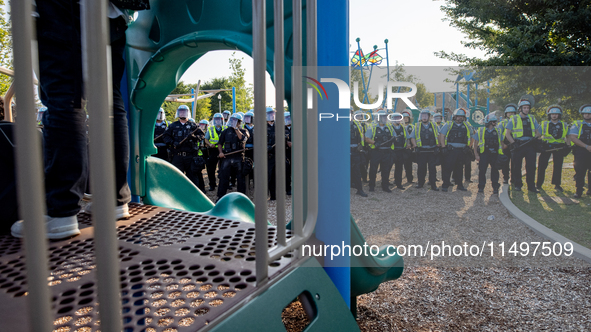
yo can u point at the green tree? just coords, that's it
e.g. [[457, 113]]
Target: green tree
[[522, 39], [521, 32], [215, 84], [5, 49], [244, 93], [202, 111]]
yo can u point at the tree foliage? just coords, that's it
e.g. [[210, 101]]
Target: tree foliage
[[5, 49], [244, 93], [541, 48], [202, 111], [522, 32]]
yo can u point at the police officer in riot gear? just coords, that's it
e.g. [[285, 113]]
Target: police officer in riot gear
[[555, 142], [401, 147], [270, 114], [408, 155], [183, 136], [487, 147], [424, 138], [248, 121], [226, 115], [438, 118], [580, 135], [510, 110], [454, 139], [357, 145], [520, 130], [231, 141], [212, 138], [380, 142], [287, 116], [159, 129], [40, 113]]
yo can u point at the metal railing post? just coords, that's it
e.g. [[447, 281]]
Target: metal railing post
[[96, 65], [29, 171], [312, 117], [259, 55], [280, 121]]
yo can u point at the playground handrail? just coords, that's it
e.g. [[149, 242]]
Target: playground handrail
[[302, 230], [29, 165]]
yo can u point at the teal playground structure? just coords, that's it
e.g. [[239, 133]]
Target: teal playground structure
[[183, 243]]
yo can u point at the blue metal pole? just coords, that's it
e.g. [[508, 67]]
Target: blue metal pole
[[435, 100], [361, 69], [334, 171], [468, 96], [194, 101], [234, 99], [457, 95], [443, 105], [388, 69], [488, 98], [476, 95]]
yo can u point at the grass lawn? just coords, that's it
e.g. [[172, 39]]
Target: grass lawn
[[570, 220]]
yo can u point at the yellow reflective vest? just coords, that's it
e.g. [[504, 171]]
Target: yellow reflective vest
[[481, 142]]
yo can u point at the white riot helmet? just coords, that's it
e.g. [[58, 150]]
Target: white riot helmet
[[203, 124], [234, 120], [490, 118], [554, 109], [270, 114], [161, 115], [182, 112], [249, 117], [438, 116], [459, 112], [218, 120], [287, 116], [585, 109]]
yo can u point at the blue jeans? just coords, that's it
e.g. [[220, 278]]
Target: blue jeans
[[64, 123]]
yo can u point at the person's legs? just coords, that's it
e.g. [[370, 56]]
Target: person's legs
[[530, 169], [557, 170], [120, 127], [271, 177], [224, 177], [240, 180], [542, 166], [422, 168], [516, 163], [212, 164], [507, 167], [373, 168], [482, 166], [64, 133], [494, 171]]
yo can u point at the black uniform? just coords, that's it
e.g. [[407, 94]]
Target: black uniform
[[381, 156], [455, 157], [249, 145], [230, 142], [557, 131], [271, 160], [212, 159], [182, 154], [582, 159], [408, 159], [287, 161], [400, 154], [159, 129], [426, 157], [356, 154], [489, 157]]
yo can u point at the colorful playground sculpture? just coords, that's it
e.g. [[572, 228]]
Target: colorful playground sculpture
[[187, 264]]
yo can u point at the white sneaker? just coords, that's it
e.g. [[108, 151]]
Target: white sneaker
[[57, 228], [121, 211]]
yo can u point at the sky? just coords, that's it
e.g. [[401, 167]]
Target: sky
[[415, 31]]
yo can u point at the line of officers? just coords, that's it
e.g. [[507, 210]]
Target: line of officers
[[224, 144], [390, 142]]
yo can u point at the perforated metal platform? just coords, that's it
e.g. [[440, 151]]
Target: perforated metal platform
[[179, 271]]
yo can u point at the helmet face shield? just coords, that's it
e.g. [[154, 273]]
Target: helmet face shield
[[424, 116], [226, 115], [218, 121], [183, 113], [161, 115], [248, 118], [287, 119], [233, 122], [270, 115]]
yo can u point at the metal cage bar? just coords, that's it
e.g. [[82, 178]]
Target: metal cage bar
[[96, 63], [29, 171]]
